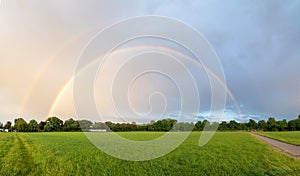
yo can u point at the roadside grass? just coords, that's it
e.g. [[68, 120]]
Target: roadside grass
[[228, 153], [291, 137]]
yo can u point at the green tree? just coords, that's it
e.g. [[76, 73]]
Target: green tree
[[99, 125], [262, 125], [152, 122], [85, 124], [206, 125], [292, 125], [32, 126], [233, 125], [142, 127], [7, 125], [272, 125], [21, 125], [183, 126], [243, 126], [282, 125], [252, 125], [41, 125], [297, 121], [223, 126], [53, 124], [199, 126], [214, 125], [71, 125]]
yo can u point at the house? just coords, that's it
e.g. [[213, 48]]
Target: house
[[3, 130], [97, 130]]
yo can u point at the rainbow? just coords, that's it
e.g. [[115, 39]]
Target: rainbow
[[43, 69], [209, 71]]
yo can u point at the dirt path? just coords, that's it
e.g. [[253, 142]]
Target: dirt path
[[17, 158], [290, 149]]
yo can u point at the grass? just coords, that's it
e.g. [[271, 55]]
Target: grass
[[288, 137], [228, 153]]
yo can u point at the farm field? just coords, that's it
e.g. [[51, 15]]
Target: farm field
[[71, 153], [291, 137]]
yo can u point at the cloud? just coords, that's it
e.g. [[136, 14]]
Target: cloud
[[257, 42]]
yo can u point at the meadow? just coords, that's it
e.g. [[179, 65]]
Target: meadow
[[291, 137], [71, 153]]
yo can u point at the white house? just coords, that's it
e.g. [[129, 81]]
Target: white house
[[3, 130], [97, 130]]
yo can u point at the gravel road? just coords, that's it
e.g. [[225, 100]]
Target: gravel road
[[290, 149]]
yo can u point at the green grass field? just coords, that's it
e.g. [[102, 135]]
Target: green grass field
[[288, 137], [228, 153]]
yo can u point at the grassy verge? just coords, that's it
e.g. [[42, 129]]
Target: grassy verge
[[291, 137]]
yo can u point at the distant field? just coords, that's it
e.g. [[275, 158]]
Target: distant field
[[228, 153], [291, 137]]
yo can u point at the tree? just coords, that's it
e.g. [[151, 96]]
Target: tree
[[223, 126], [183, 126], [292, 125], [99, 125], [53, 124], [199, 126], [41, 125], [152, 122], [206, 125], [21, 125], [252, 125], [233, 125], [32, 126], [85, 124], [297, 121], [71, 125], [214, 126], [141, 127], [262, 125], [162, 125], [272, 126], [7, 125], [243, 126], [282, 125]]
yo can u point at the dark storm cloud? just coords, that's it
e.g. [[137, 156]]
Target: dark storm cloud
[[258, 45]]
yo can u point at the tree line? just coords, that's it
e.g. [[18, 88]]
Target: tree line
[[53, 124]]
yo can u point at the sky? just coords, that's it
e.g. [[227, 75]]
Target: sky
[[257, 43]]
